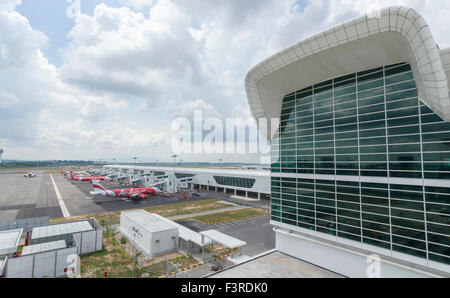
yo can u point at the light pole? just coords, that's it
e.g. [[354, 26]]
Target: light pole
[[174, 174], [135, 232]]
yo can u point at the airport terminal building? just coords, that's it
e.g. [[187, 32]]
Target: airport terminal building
[[361, 159]]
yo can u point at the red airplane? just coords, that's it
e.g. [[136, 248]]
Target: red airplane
[[129, 193], [84, 179]]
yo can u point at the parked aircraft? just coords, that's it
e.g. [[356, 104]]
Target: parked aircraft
[[129, 193], [84, 179]]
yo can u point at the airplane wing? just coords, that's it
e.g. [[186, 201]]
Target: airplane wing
[[137, 195]]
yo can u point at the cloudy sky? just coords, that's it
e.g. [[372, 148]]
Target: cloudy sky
[[108, 82]]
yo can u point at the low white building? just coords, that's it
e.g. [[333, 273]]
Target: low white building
[[149, 233]]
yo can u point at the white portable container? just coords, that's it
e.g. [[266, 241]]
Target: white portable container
[[150, 234]]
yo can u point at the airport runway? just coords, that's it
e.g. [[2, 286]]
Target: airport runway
[[22, 197]]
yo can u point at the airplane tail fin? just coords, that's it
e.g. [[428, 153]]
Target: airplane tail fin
[[98, 188]]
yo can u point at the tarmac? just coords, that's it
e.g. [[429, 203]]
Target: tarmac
[[257, 232], [22, 197]]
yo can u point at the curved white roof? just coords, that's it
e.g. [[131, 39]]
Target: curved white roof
[[391, 35]]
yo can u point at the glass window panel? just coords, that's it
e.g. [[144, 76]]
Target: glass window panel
[[411, 224], [399, 78], [372, 133], [345, 113], [437, 147], [346, 128], [402, 104], [345, 91], [403, 113], [438, 198], [371, 101], [431, 119], [438, 167], [372, 141], [345, 98], [401, 86], [372, 109], [345, 106], [376, 235], [435, 127], [373, 157], [404, 157], [407, 205], [399, 69], [376, 243], [401, 95], [370, 71], [409, 251], [373, 149], [405, 166], [436, 137], [405, 139], [348, 150], [405, 148], [372, 117], [370, 85], [362, 77], [403, 121], [404, 130], [344, 78], [306, 113], [371, 93], [407, 214], [346, 135], [372, 125]]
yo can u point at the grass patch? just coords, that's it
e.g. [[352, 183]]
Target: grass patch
[[230, 215], [187, 208], [155, 270], [184, 261], [111, 258], [113, 218]]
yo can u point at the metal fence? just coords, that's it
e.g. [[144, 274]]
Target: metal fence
[[26, 224]]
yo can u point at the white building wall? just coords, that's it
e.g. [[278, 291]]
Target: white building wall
[[88, 242], [164, 241], [63, 261], [44, 265], [143, 241], [20, 267], [343, 261]]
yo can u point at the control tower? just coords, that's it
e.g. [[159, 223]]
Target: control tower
[[1, 153]]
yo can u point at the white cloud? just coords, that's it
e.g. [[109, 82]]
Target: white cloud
[[138, 4], [128, 71]]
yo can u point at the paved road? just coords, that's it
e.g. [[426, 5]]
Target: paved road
[[257, 232], [114, 204], [27, 197]]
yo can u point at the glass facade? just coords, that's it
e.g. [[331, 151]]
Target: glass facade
[[235, 181], [369, 124]]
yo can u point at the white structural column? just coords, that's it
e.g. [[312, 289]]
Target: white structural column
[[397, 34]]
